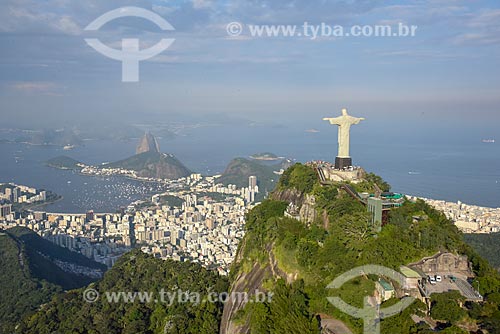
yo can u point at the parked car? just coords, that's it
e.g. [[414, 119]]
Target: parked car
[[438, 278]]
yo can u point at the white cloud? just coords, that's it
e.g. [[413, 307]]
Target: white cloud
[[37, 87], [202, 4], [485, 19], [482, 28], [413, 54], [17, 19], [477, 38], [164, 10], [67, 25]]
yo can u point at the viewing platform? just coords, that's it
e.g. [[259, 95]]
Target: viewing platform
[[327, 173]]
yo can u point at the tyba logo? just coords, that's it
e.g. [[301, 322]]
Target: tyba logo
[[130, 55]]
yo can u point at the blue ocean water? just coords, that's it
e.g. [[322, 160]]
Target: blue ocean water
[[440, 161]]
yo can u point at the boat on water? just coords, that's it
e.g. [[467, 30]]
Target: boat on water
[[312, 130], [68, 147], [488, 140]]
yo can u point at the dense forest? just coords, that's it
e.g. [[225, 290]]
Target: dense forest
[[136, 272], [487, 245], [29, 276]]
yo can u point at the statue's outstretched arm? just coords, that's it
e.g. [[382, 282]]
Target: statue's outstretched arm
[[333, 120]]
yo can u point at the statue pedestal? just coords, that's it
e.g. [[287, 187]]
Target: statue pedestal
[[341, 163]]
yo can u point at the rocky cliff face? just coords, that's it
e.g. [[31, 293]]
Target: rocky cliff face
[[249, 282], [148, 143], [252, 279], [289, 195], [308, 212], [305, 202]]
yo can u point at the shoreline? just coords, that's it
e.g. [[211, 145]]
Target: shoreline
[[161, 181], [266, 158], [79, 172], [36, 205]]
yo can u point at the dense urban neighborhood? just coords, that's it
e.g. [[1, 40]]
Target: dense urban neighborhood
[[197, 219]]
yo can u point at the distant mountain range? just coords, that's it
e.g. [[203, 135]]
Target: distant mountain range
[[60, 137], [75, 136], [33, 270]]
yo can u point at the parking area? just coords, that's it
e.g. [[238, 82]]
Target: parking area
[[439, 283], [446, 284]]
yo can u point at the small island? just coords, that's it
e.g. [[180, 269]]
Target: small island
[[266, 156], [65, 163]]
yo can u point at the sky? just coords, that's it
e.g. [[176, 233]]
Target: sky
[[48, 73]]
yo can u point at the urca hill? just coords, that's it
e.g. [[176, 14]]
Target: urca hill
[[149, 162]]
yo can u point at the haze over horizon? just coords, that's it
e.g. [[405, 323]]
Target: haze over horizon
[[448, 68]]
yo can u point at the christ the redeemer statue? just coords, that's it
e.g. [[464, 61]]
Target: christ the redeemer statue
[[344, 123]]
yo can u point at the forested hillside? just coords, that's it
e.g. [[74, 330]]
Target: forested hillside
[[136, 272], [298, 260], [29, 274]]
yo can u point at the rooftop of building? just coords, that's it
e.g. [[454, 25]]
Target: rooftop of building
[[409, 273], [385, 285]]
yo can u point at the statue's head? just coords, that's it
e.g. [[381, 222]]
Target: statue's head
[[344, 112]]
